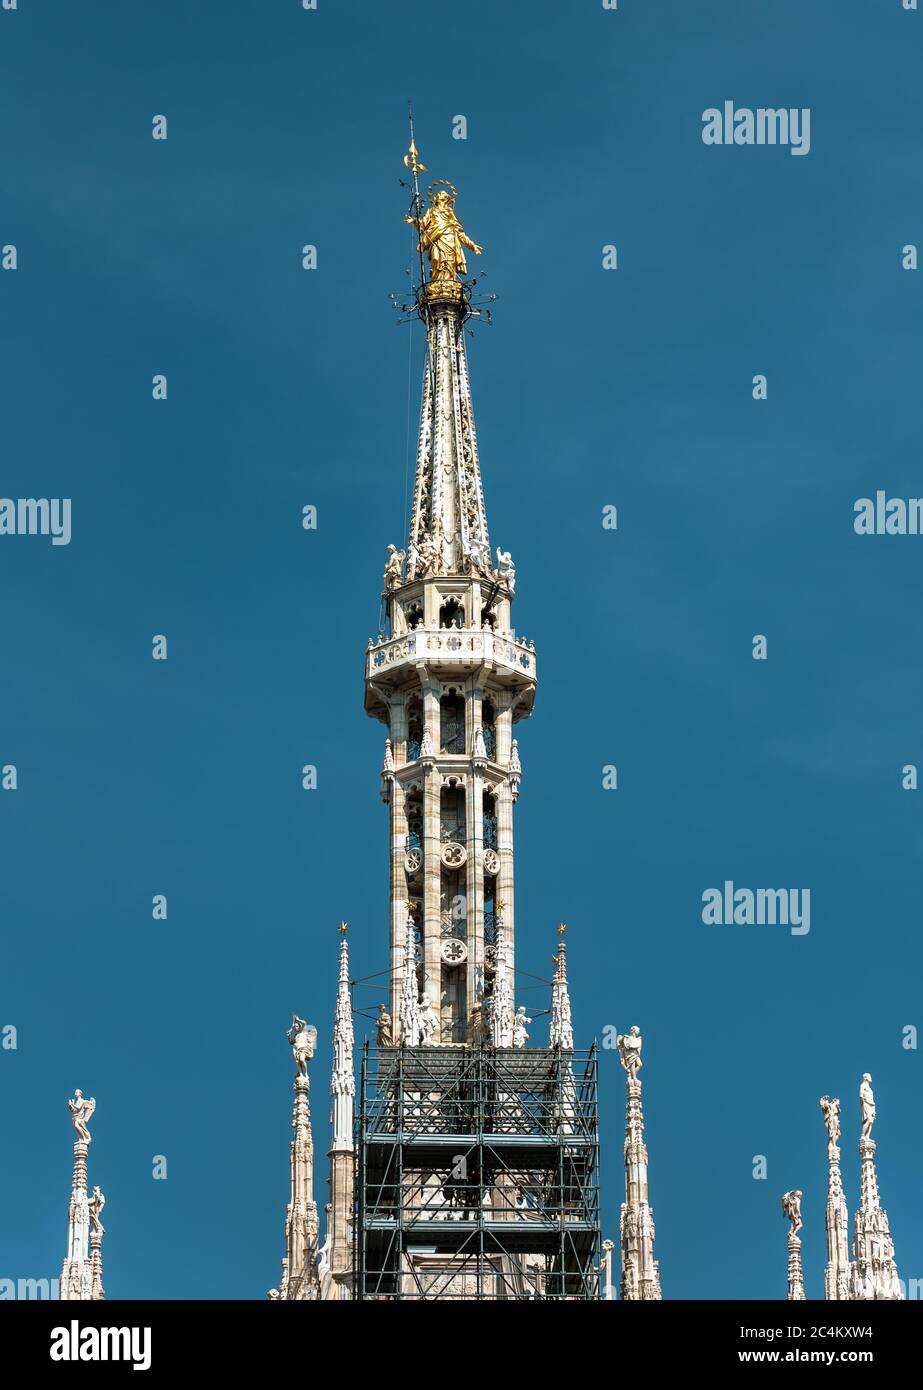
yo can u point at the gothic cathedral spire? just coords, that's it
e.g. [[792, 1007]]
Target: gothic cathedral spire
[[469, 1143], [342, 1091], [874, 1272], [449, 680], [299, 1280], [640, 1271], [82, 1273]]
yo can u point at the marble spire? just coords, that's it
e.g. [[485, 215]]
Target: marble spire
[[449, 678], [502, 1010], [82, 1272], [448, 523], [299, 1266], [791, 1210], [836, 1270], [343, 1080], [561, 1039], [873, 1274], [409, 1012], [97, 1231], [640, 1271], [342, 1091], [562, 1029]]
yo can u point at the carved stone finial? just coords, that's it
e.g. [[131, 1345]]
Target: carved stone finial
[[515, 769], [562, 1031]]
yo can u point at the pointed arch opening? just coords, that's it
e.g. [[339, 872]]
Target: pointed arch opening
[[452, 722]]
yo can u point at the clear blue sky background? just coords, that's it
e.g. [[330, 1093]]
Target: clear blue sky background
[[286, 388]]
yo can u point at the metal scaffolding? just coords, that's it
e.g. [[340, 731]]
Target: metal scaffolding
[[477, 1174]]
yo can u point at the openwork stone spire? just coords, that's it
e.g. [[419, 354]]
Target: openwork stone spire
[[874, 1272], [299, 1266], [342, 1090], [343, 1080], [836, 1271], [82, 1272], [791, 1210], [562, 1029], [409, 1015], [640, 1271], [503, 1006], [448, 676], [448, 523]]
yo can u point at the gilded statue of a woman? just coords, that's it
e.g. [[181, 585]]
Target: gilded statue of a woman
[[443, 238]]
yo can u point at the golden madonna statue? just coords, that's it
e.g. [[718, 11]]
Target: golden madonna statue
[[443, 238]]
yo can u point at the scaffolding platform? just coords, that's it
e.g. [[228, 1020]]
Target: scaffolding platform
[[477, 1174]]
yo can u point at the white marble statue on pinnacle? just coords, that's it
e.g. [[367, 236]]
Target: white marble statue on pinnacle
[[640, 1270], [81, 1273], [299, 1265], [836, 1217], [873, 1273]]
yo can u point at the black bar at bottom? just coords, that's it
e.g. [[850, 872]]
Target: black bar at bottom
[[61, 1339]]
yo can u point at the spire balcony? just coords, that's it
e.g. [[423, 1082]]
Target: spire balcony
[[394, 661]]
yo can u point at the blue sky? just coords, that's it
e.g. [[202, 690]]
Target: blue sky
[[288, 387]]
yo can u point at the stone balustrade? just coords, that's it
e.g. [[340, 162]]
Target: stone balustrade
[[452, 644]]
